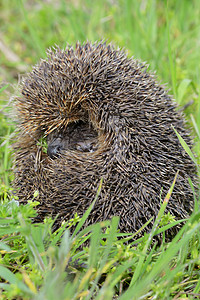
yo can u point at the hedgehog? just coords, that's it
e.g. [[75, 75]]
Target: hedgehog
[[104, 116]]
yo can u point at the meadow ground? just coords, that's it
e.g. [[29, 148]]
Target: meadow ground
[[38, 264]]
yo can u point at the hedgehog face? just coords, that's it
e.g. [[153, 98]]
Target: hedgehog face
[[104, 116], [78, 136]]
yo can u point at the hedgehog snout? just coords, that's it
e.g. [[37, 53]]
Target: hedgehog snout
[[55, 148]]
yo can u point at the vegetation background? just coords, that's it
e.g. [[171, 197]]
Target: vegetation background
[[33, 260]]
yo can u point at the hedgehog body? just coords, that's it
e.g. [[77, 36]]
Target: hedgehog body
[[128, 114]]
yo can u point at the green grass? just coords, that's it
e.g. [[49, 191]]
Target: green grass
[[38, 264]]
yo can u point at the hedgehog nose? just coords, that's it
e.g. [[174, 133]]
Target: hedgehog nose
[[54, 151]]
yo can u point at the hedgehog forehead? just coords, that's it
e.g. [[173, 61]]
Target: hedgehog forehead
[[71, 82], [69, 72]]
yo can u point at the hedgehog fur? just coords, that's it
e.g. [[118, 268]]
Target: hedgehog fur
[[137, 152]]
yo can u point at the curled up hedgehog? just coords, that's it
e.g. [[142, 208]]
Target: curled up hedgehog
[[103, 116]]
